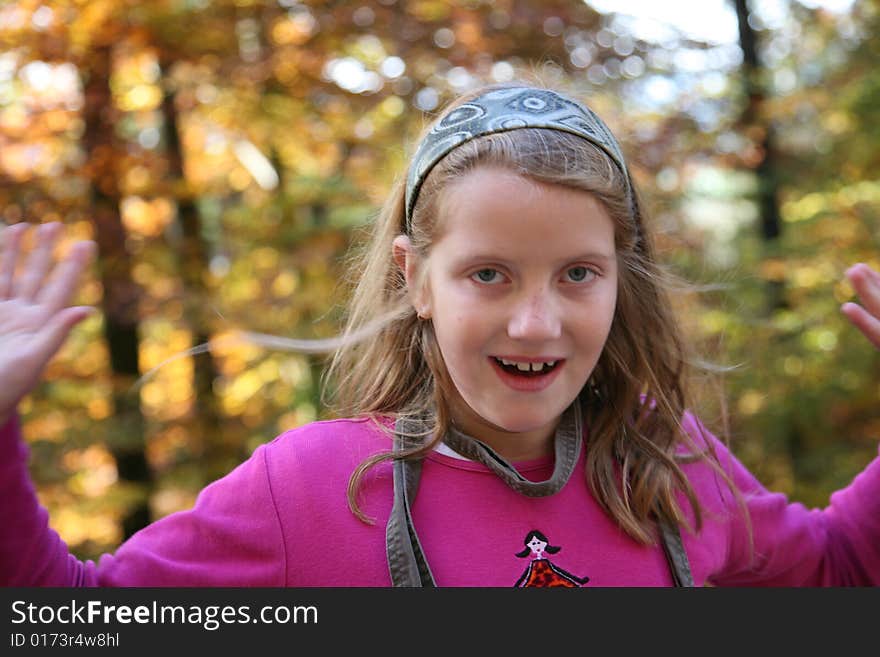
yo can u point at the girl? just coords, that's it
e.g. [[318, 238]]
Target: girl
[[510, 367]]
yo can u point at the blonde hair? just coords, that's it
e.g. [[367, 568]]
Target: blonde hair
[[637, 396]]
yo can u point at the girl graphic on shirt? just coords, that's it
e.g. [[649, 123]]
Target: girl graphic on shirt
[[541, 571]]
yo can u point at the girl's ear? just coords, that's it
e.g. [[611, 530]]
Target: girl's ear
[[408, 260]]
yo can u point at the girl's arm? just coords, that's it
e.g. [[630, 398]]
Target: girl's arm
[[34, 322], [788, 544], [232, 537]]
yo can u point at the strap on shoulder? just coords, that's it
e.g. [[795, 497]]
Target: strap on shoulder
[[676, 555], [406, 560]]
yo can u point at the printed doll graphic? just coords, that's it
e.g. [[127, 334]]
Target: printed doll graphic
[[541, 571]]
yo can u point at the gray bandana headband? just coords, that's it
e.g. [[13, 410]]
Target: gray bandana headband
[[506, 109]]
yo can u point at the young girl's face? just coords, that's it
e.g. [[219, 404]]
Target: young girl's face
[[537, 545], [522, 272]]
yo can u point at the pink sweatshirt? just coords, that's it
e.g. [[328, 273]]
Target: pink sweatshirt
[[282, 519]]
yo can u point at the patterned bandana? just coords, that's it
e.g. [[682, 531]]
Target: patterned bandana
[[506, 109]]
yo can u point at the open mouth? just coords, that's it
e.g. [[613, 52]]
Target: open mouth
[[535, 370]]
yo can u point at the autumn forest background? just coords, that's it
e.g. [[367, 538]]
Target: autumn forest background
[[226, 155]]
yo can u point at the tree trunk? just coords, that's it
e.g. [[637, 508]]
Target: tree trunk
[[192, 264], [119, 302], [758, 128], [757, 125]]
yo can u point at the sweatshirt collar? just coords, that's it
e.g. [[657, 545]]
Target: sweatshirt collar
[[567, 444]]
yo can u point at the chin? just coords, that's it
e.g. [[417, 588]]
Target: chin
[[520, 424]]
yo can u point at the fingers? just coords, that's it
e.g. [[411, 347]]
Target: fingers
[[31, 279], [58, 328], [868, 324], [867, 284], [865, 317], [31, 284], [10, 241], [60, 288]]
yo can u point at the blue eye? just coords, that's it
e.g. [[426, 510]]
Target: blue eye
[[485, 275], [580, 273]]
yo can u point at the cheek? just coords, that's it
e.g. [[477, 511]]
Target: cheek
[[607, 320], [606, 307], [460, 323], [459, 336], [597, 314], [591, 331]]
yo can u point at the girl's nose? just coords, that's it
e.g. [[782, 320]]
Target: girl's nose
[[535, 319]]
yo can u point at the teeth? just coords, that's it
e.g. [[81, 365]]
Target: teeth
[[525, 367]]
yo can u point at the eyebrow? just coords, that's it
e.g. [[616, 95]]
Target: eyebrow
[[601, 257]]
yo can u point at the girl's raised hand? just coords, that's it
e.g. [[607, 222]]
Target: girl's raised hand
[[34, 315], [866, 317]]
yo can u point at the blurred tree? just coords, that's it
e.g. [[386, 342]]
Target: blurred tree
[[119, 301], [758, 127], [806, 369], [193, 260]]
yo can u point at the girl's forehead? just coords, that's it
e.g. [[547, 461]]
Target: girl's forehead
[[503, 191], [505, 211], [495, 178]]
